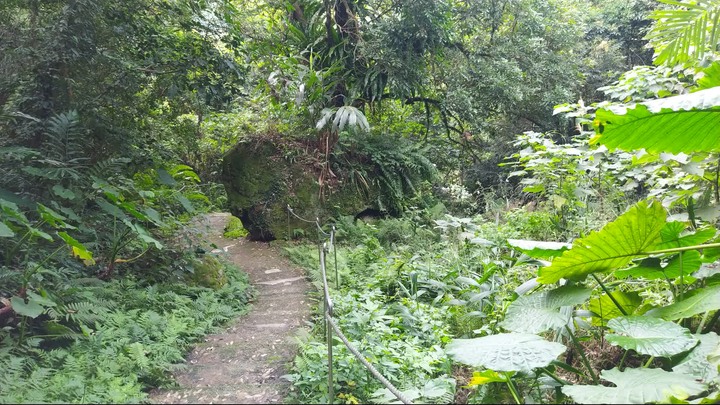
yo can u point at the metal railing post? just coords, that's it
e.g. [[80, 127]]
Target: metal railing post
[[332, 243], [331, 387], [331, 325], [328, 312]]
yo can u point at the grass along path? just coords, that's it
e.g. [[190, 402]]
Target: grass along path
[[244, 363]]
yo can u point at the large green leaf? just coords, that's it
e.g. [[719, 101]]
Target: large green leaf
[[63, 192], [686, 123], [542, 308], [636, 386], [78, 249], [346, 116], [697, 362], [165, 178], [31, 309], [111, 209], [612, 247], [145, 236], [5, 231], [684, 263], [606, 309], [53, 218], [710, 78], [505, 352], [650, 336], [672, 236], [650, 268], [702, 300], [185, 203]]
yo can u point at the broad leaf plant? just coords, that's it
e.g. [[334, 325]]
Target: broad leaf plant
[[601, 277]]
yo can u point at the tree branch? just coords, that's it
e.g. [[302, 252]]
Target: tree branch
[[444, 114]]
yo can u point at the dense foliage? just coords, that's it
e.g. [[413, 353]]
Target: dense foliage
[[624, 295], [550, 168], [101, 108], [106, 342]]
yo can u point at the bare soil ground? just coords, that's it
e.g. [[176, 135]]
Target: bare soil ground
[[245, 362]]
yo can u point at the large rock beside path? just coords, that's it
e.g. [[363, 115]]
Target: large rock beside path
[[261, 181]]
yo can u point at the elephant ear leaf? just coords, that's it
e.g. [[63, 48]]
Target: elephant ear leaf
[[650, 336], [700, 362], [605, 308], [613, 247], [538, 249], [699, 301], [544, 309], [636, 386], [686, 123], [519, 352]]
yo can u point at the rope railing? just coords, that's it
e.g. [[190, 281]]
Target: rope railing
[[331, 324], [316, 221]]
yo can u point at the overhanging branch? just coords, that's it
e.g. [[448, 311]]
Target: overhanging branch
[[444, 114]]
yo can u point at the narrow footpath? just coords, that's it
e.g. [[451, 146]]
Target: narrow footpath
[[244, 364]]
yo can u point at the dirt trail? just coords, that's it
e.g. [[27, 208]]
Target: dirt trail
[[244, 363]]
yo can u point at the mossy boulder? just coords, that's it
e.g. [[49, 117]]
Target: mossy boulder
[[261, 183], [208, 272], [234, 229]]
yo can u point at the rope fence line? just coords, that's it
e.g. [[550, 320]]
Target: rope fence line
[[316, 221], [330, 323]]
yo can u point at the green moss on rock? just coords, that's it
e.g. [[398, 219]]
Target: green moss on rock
[[208, 272], [260, 185], [234, 229], [372, 172]]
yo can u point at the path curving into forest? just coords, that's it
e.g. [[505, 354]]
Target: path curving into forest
[[244, 363]]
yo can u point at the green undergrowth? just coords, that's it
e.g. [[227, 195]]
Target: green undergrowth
[[401, 339], [118, 338], [406, 288], [403, 289]]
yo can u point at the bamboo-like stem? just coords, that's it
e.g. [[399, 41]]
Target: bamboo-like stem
[[622, 360], [702, 322], [677, 249], [584, 359], [513, 390], [554, 377], [617, 304]]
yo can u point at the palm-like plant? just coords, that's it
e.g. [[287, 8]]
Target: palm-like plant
[[685, 32]]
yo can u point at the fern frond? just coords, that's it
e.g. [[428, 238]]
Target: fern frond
[[137, 352], [9, 279], [65, 139], [685, 32], [85, 313], [74, 364], [108, 167]]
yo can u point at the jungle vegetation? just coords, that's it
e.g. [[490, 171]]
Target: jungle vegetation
[[547, 174]]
